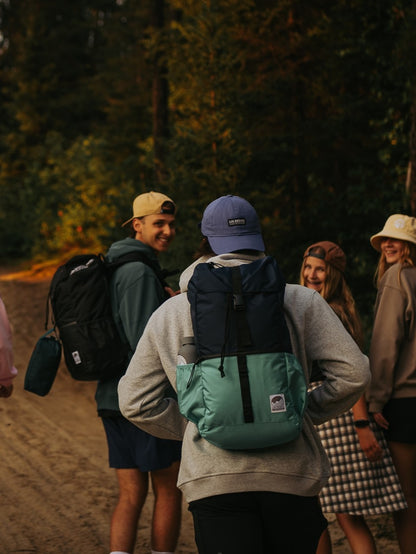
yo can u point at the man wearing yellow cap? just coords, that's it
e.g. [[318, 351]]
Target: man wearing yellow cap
[[136, 292]]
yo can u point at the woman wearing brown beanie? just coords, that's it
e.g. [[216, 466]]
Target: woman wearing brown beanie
[[363, 480]]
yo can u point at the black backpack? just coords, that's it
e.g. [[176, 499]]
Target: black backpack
[[79, 296]]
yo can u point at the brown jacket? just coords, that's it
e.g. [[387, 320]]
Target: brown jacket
[[393, 343]]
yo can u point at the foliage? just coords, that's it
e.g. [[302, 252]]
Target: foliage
[[302, 108]]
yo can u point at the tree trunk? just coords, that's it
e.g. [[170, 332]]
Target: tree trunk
[[411, 170], [160, 95]]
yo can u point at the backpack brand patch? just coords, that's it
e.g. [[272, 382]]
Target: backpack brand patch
[[236, 221], [277, 403]]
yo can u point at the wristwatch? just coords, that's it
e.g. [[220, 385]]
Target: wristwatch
[[361, 423]]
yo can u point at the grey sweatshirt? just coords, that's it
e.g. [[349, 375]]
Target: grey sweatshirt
[[299, 467]]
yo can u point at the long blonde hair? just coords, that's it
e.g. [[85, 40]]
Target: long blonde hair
[[407, 259], [339, 296]]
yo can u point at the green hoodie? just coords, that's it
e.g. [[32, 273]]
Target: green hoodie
[[136, 293]]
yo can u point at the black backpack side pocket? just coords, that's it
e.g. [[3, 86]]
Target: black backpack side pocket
[[43, 364]]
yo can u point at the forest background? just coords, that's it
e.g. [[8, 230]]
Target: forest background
[[304, 108]]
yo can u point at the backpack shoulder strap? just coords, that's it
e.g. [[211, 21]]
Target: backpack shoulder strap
[[140, 257]]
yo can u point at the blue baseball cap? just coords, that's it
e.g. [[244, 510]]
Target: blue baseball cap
[[230, 223]]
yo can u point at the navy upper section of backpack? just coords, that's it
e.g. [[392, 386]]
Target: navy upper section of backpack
[[215, 320]]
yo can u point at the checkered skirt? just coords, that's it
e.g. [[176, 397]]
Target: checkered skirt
[[357, 486]]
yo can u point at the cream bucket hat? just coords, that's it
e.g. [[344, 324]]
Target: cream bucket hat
[[397, 226]]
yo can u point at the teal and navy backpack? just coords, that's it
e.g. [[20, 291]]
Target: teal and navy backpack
[[246, 389]]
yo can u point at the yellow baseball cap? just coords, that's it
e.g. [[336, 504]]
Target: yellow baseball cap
[[150, 203]]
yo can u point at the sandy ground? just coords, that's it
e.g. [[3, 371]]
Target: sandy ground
[[57, 492]]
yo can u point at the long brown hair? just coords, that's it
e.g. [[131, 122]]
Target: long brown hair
[[339, 296], [204, 249]]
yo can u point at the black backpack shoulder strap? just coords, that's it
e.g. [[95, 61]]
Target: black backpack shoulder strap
[[140, 257]]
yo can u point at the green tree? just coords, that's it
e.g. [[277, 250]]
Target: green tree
[[46, 59], [301, 108]]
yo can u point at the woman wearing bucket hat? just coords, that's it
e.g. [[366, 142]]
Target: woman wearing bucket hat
[[392, 393], [362, 468]]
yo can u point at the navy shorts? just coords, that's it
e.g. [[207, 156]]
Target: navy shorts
[[129, 447], [401, 415]]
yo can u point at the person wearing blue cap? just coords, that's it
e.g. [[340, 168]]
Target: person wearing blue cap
[[245, 501]]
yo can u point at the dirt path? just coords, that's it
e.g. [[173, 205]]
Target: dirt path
[[57, 492]]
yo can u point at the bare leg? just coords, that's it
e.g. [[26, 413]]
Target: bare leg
[[404, 458], [358, 534], [324, 545], [167, 509], [133, 488]]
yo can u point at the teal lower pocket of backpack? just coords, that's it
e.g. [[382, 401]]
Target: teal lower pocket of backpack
[[258, 405]]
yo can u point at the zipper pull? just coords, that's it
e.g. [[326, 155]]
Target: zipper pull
[[188, 384]]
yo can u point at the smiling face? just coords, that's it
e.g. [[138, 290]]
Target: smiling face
[[314, 273], [157, 231], [392, 249]]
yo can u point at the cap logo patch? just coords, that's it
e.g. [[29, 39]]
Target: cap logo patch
[[236, 221], [400, 223]]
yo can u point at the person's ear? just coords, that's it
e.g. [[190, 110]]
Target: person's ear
[[137, 226]]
